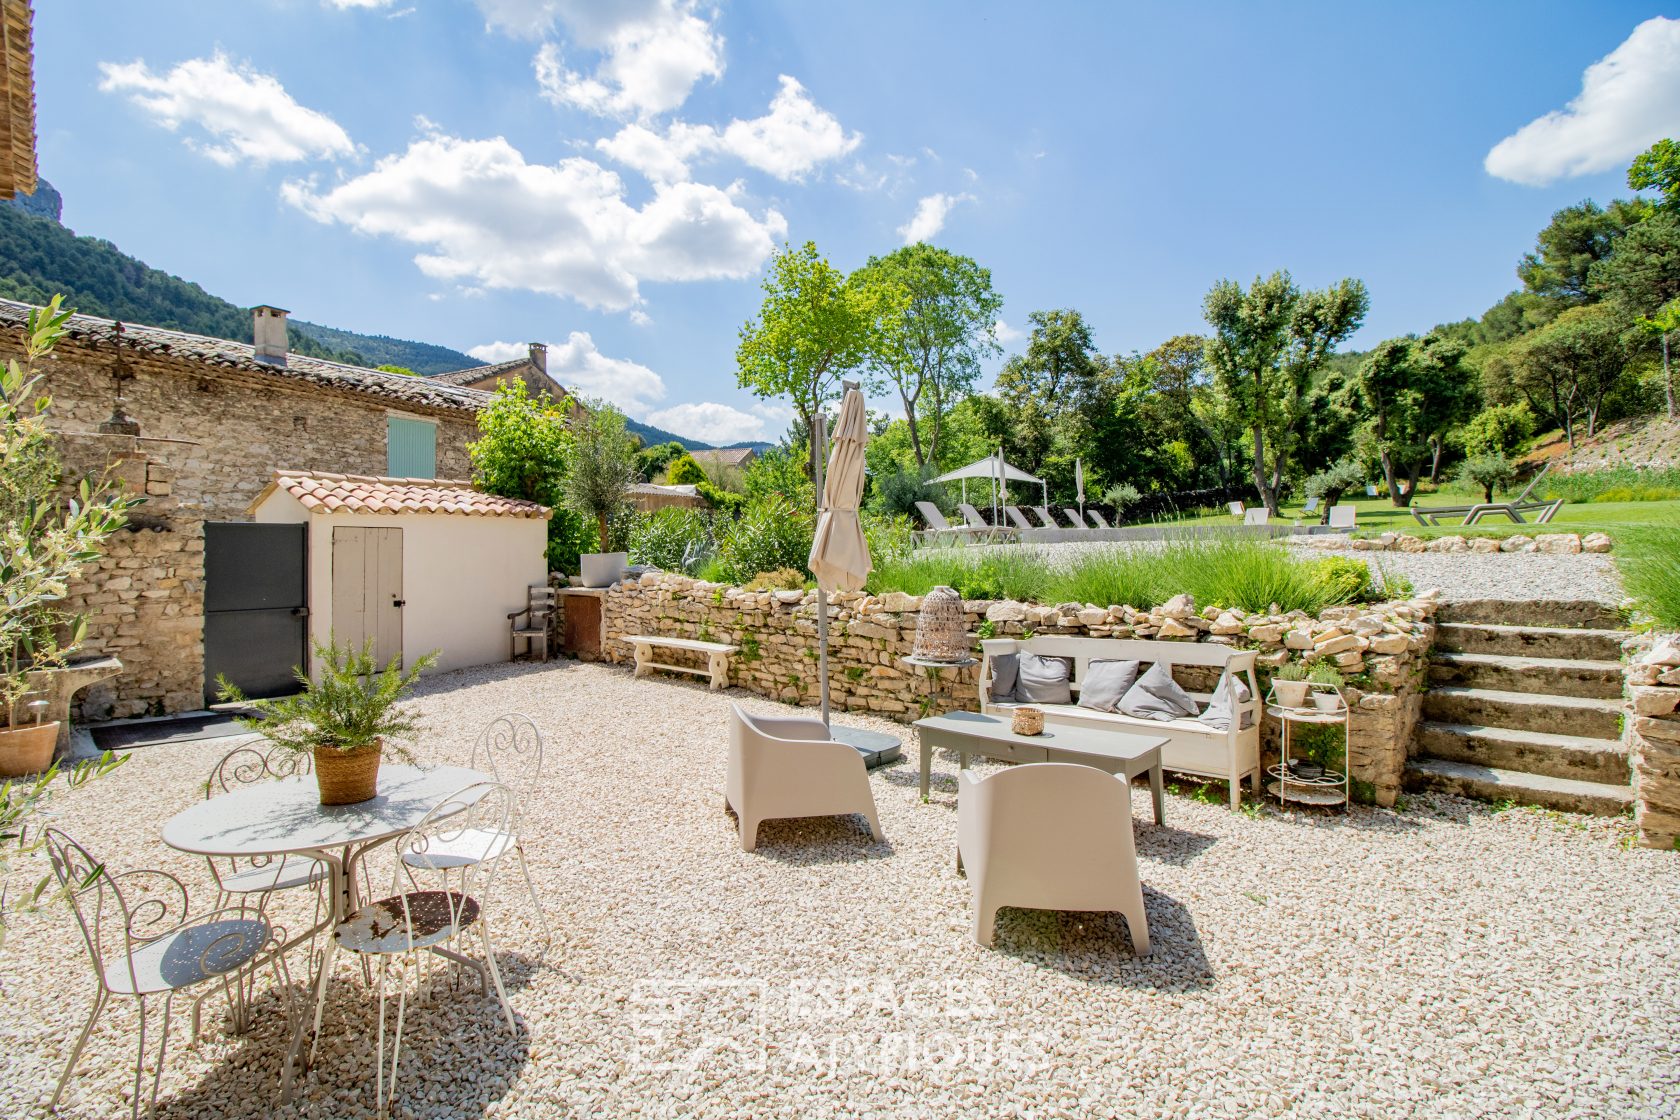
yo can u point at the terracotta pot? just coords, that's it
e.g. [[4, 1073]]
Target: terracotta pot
[[1291, 694], [347, 777], [27, 750]]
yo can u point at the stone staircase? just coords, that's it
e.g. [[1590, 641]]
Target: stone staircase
[[1525, 705]]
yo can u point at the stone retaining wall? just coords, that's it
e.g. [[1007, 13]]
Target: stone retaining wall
[[1382, 647], [1553, 543], [1652, 733]]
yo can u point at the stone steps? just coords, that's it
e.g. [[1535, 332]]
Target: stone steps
[[1556, 676], [1489, 783], [1573, 614], [1585, 716], [1532, 752], [1530, 641]]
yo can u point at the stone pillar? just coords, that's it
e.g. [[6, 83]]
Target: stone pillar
[[1652, 733]]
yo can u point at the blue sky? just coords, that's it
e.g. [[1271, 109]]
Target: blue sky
[[610, 178]]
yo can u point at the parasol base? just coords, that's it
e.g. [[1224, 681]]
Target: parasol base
[[877, 748]]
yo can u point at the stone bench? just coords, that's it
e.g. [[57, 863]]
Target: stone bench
[[717, 657]]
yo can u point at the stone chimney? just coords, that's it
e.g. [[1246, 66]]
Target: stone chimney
[[268, 330], [539, 356]]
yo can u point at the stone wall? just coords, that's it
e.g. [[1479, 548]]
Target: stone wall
[[1381, 647], [210, 438], [1652, 670], [1552, 543]]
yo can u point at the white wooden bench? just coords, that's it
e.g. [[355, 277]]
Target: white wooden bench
[[1192, 747], [717, 657]]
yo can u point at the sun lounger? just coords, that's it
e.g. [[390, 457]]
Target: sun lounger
[[1514, 511], [936, 524], [983, 527], [1098, 519], [1431, 515], [1043, 515], [1311, 506], [1017, 518], [1074, 519]]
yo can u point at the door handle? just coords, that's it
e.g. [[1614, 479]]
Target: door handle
[[300, 612], [398, 602]]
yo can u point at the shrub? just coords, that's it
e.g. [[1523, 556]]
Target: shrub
[[1120, 496], [897, 493], [1329, 484], [782, 579], [1488, 471], [726, 502], [1345, 579], [889, 537], [771, 534], [1501, 429], [684, 471], [675, 539], [1649, 559]]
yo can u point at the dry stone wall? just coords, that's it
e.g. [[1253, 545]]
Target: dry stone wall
[[210, 439], [1381, 647], [1551, 543], [1652, 733]]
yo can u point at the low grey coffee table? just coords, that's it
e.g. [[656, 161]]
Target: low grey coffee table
[[1115, 752]]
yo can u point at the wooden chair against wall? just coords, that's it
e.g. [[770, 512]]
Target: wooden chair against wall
[[539, 605]]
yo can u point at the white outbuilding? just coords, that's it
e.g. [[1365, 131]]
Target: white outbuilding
[[415, 564]]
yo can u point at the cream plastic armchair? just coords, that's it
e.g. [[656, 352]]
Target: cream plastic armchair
[[789, 767], [1049, 836]]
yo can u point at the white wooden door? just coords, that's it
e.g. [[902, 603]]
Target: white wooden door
[[367, 590]]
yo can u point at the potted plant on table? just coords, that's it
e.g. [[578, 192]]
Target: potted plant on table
[[47, 536], [349, 717], [1289, 685], [1326, 680]]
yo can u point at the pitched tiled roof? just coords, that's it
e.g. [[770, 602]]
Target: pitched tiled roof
[[356, 493], [477, 373], [239, 355], [17, 99]]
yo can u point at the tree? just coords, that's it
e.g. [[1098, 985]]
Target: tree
[[1499, 429], [603, 466], [937, 310], [1571, 365], [1267, 344], [684, 471], [1056, 395], [1488, 471], [811, 330], [1644, 272], [1658, 169], [403, 371], [1662, 325], [650, 461], [1415, 389], [523, 451], [1577, 238]]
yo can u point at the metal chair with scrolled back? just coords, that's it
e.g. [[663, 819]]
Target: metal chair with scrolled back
[[261, 876], [511, 748], [437, 897], [143, 942]]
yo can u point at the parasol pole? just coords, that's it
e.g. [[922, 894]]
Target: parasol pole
[[820, 434]]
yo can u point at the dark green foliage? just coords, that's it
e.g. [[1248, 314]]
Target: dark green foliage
[[1500, 428], [423, 358], [1658, 169], [771, 534], [898, 493], [652, 461], [675, 539]]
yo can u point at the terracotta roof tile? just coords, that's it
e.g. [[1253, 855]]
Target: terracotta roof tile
[[321, 491]]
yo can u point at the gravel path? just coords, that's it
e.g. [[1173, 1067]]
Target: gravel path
[[1444, 961], [1498, 575]]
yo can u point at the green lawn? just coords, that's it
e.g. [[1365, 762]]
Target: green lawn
[[1379, 515]]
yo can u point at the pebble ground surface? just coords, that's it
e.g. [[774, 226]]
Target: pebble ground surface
[[1443, 960]]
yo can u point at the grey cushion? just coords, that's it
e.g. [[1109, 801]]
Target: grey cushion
[[1043, 680], [1105, 682], [1005, 667], [1157, 696], [1218, 712]]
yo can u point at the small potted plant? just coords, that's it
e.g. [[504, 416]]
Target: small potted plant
[[1326, 681], [1289, 685], [348, 717]]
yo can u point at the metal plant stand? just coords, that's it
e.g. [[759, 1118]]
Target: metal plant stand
[[1329, 789]]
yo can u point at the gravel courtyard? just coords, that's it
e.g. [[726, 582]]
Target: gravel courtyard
[[1445, 960]]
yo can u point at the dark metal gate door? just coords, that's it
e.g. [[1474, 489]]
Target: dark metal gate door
[[256, 606]]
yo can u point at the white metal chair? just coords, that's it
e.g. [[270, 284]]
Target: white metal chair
[[1343, 515], [261, 876], [426, 910], [789, 767], [511, 747], [1051, 836], [143, 943], [1259, 515]]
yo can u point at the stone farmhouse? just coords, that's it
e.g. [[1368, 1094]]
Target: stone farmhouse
[[531, 369], [199, 426]]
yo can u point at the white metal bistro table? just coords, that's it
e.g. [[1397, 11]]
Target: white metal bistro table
[[1114, 752], [287, 818]]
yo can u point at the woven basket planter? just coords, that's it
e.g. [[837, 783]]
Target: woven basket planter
[[347, 777], [941, 628], [1027, 721]]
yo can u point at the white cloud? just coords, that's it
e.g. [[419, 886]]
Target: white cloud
[[709, 422], [788, 142], [487, 217], [250, 115], [341, 5], [1002, 331], [652, 55], [580, 366], [930, 216], [1629, 99]]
